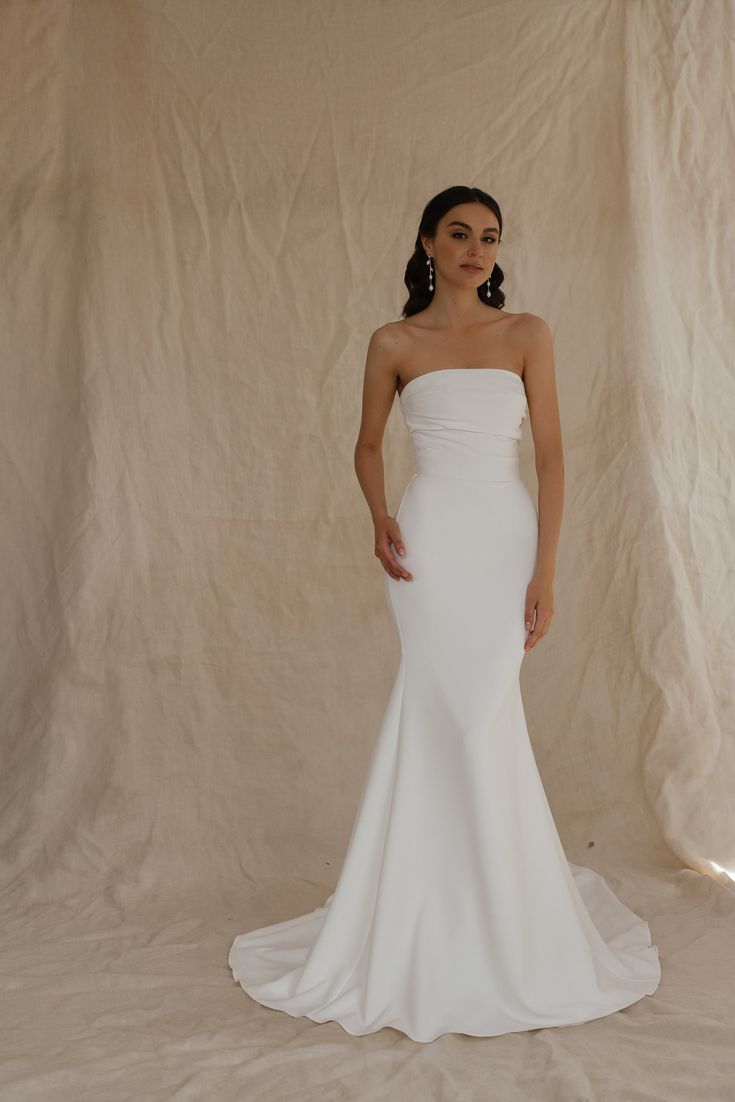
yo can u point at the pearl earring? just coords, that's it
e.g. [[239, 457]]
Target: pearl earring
[[431, 275], [488, 293]]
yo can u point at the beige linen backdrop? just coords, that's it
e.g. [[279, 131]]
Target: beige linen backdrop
[[207, 209]]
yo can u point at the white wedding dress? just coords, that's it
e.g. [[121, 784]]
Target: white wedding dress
[[456, 910]]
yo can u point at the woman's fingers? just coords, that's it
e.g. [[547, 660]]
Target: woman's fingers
[[540, 628], [388, 560]]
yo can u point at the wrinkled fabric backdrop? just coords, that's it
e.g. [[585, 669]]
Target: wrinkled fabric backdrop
[[207, 209]]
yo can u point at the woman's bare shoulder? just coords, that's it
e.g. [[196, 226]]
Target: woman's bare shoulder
[[388, 339], [532, 325], [390, 329]]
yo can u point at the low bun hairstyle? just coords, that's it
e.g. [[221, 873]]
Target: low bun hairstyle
[[417, 270]]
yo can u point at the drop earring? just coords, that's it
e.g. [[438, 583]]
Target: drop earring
[[431, 275], [488, 293]]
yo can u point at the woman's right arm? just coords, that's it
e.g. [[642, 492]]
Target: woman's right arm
[[378, 394]]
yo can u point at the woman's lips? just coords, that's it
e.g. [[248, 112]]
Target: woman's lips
[[471, 267]]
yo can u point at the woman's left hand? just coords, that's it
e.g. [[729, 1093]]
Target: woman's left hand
[[539, 604]]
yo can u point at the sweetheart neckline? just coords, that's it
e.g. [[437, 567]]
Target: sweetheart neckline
[[438, 370]]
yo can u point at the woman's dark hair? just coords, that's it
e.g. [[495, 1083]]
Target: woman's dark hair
[[417, 271]]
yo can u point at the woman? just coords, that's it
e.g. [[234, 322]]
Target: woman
[[456, 910]]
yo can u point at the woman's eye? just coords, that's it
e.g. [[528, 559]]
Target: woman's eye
[[458, 233]]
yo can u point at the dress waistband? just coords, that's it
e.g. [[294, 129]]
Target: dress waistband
[[472, 467]]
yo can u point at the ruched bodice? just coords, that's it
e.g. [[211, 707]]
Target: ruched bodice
[[466, 422]]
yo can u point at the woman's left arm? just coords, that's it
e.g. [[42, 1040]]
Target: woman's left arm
[[539, 377]]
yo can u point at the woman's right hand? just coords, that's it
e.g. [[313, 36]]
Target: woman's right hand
[[387, 532]]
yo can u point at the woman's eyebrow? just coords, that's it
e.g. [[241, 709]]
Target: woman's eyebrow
[[488, 229]]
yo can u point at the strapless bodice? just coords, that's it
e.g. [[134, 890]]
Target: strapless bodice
[[466, 422]]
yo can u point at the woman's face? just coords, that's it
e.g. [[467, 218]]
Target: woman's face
[[467, 235]]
